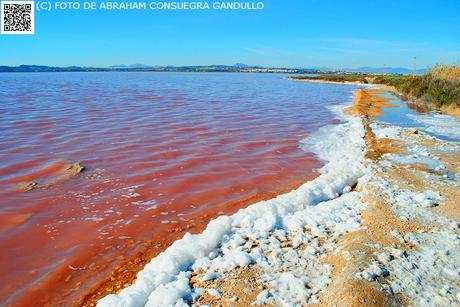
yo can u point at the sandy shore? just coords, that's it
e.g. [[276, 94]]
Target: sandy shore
[[379, 227]]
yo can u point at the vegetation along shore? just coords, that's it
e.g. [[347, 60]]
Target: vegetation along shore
[[438, 88]]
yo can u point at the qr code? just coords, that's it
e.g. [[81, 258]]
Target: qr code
[[17, 17]]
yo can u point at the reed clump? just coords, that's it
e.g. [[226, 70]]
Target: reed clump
[[446, 73]]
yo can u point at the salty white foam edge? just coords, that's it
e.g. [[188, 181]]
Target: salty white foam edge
[[325, 201]]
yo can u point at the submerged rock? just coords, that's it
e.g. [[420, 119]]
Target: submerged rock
[[75, 168], [28, 186]]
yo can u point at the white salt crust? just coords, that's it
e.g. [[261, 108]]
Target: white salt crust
[[429, 274], [440, 124]]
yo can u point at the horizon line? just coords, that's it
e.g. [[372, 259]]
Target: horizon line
[[141, 65]]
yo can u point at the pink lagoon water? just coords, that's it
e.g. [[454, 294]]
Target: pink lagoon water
[[163, 154]]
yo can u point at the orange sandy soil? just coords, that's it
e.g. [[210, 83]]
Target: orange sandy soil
[[356, 249], [239, 287], [452, 111]]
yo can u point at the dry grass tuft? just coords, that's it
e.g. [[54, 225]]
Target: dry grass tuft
[[446, 73]]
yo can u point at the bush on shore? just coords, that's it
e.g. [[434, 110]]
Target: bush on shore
[[439, 87]]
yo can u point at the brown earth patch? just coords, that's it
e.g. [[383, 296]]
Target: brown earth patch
[[368, 102], [377, 147], [452, 110], [407, 178], [451, 161], [239, 287], [450, 207]]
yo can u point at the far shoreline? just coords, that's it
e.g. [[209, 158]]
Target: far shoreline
[[327, 81]]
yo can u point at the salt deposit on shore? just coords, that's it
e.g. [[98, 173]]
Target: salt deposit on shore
[[377, 217], [424, 267]]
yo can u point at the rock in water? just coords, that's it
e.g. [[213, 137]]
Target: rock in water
[[27, 186], [75, 168]]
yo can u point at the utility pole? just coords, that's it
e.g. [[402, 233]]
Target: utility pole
[[415, 65]]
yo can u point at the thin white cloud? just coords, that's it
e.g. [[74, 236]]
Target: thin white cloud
[[351, 41]]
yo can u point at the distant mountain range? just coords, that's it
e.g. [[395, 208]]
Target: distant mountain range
[[207, 68]]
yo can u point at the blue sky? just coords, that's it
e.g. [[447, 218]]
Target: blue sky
[[288, 33]]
